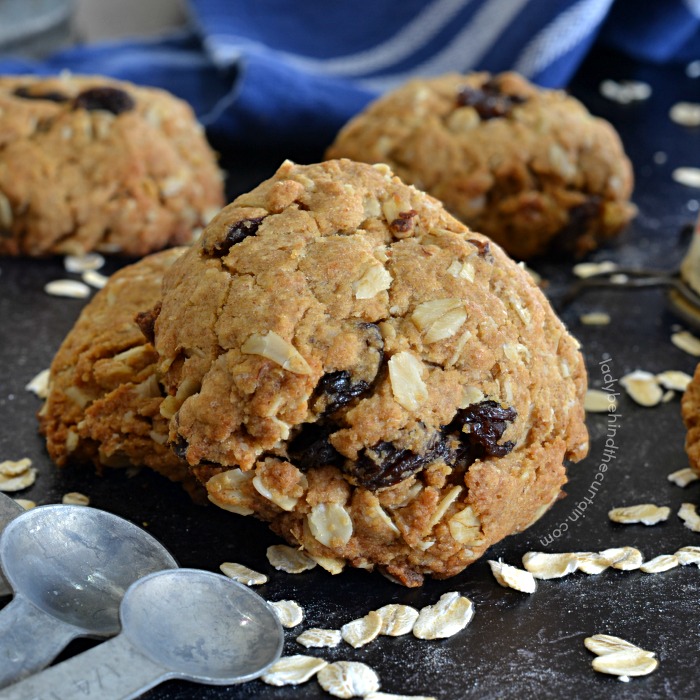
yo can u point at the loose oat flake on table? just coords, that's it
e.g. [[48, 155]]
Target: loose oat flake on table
[[664, 562], [595, 318], [394, 696], [598, 401], [293, 670], [623, 558], [78, 264], [683, 477], [348, 679], [397, 619], [317, 637], [94, 279], [674, 379], [690, 177], [545, 565], [289, 559], [591, 563], [685, 113], [289, 612], [689, 555], [688, 513], [67, 288], [645, 513], [590, 269], [75, 498], [26, 503], [618, 657], [512, 577], [17, 475], [450, 615], [642, 387], [242, 574], [686, 341], [362, 631]]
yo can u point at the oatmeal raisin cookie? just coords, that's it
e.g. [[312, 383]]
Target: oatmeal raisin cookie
[[690, 409], [347, 361], [529, 167], [91, 163]]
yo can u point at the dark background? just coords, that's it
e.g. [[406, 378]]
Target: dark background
[[517, 645]]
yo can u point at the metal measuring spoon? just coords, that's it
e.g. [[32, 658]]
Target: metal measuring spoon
[[185, 623], [9, 510], [69, 567]]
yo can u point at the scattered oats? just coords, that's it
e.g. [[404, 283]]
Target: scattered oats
[[512, 577], [545, 566], [589, 269], [591, 563], [363, 630], [690, 177], [642, 387], [603, 644], [348, 679], [393, 696], [626, 663], [397, 619], [687, 342], [595, 318], [663, 562], [674, 379], [288, 559], [688, 555], [688, 513], [692, 70], [81, 263], [293, 670], [15, 476], [289, 612], [67, 288], [660, 157], [242, 574], [625, 91], [668, 396], [75, 498], [274, 347], [318, 637], [407, 385], [451, 614], [619, 279], [646, 513], [330, 524], [25, 503], [39, 384], [683, 477], [94, 279], [623, 558], [597, 401], [685, 113]]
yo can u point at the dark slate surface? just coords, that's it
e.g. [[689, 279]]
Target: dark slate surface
[[517, 645]]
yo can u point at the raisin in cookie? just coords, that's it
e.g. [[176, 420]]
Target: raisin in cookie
[[90, 163], [347, 361], [104, 400], [531, 168], [690, 409]]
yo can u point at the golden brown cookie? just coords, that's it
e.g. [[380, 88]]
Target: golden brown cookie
[[104, 400], [347, 361], [690, 410], [90, 163], [529, 167]]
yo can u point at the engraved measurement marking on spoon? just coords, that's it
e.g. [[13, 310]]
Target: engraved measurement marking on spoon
[[92, 686]]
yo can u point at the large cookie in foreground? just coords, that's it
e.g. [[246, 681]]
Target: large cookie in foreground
[[91, 163], [690, 410], [347, 361], [529, 167], [103, 405]]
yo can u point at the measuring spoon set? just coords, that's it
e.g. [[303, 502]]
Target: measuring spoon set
[[78, 571]]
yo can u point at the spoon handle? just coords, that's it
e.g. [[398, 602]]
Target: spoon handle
[[113, 670], [30, 639]]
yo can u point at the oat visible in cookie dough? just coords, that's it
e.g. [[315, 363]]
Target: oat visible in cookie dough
[[103, 400], [529, 167], [90, 163], [391, 395]]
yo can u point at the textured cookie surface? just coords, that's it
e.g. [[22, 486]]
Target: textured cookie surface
[[90, 163], [346, 360], [529, 167], [104, 400], [690, 409]]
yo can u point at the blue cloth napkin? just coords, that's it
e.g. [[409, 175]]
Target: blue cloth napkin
[[289, 73]]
